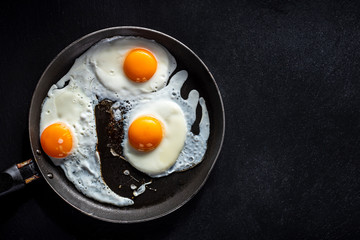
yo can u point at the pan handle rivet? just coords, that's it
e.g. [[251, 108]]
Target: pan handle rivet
[[38, 152], [50, 175]]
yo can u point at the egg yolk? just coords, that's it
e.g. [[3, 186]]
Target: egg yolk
[[56, 140], [140, 65], [145, 133]]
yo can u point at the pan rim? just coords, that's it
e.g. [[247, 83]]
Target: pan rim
[[215, 156]]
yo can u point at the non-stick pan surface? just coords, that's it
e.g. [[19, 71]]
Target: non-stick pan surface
[[172, 191]]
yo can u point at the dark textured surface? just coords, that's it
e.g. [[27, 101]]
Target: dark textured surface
[[289, 74]]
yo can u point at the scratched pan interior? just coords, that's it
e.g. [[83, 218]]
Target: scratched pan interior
[[172, 191]]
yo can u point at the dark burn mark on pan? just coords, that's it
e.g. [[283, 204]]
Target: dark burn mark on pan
[[110, 134]]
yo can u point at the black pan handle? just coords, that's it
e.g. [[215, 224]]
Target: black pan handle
[[17, 176]]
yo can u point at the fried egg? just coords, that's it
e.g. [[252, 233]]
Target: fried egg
[[68, 137], [67, 122], [109, 71], [179, 149], [131, 65]]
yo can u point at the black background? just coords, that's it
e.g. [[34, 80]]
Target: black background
[[288, 73]]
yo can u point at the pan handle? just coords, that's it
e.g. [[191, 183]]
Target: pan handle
[[17, 176]]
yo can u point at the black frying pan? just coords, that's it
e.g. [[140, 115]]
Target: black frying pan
[[172, 191]]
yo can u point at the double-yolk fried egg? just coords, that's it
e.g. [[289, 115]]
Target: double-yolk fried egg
[[132, 72]]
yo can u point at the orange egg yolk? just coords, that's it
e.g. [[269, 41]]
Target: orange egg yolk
[[56, 140], [140, 65], [145, 133]]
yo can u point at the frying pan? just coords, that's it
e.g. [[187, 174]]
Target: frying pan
[[174, 190]]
